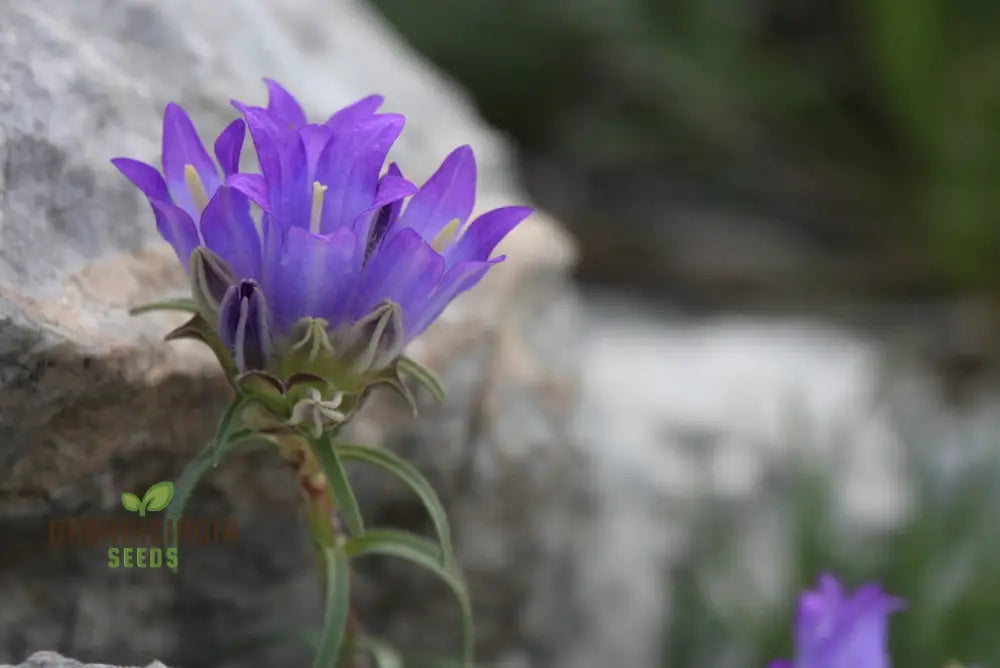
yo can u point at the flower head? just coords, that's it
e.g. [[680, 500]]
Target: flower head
[[342, 247], [838, 630]]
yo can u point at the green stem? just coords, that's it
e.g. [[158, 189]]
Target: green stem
[[322, 522]]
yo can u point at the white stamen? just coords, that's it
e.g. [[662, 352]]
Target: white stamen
[[317, 208], [196, 187]]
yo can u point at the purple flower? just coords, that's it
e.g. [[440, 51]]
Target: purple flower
[[190, 181], [836, 630], [340, 241]]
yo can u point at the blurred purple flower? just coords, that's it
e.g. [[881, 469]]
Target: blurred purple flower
[[836, 630], [335, 241]]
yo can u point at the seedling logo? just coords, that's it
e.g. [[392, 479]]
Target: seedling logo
[[156, 498], [142, 539]]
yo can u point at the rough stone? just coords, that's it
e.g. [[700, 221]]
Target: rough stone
[[54, 660], [93, 403]]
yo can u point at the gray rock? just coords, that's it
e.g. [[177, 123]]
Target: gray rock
[[54, 660], [92, 403]]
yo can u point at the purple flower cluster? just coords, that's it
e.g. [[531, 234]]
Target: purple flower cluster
[[837, 630], [338, 240]]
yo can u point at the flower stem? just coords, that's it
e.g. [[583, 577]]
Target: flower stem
[[323, 526]]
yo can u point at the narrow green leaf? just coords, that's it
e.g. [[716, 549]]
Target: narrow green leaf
[[185, 304], [423, 552], [424, 376], [414, 479], [384, 654], [158, 496], [130, 502], [193, 474], [347, 504], [337, 606], [225, 425]]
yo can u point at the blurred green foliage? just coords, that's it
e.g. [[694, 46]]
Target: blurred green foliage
[[944, 560], [876, 122]]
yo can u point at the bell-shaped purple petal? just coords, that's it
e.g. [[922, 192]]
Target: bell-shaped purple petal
[[229, 146], [458, 279], [229, 230], [281, 153], [350, 166], [145, 177], [182, 147], [273, 241], [404, 271], [282, 104], [314, 277], [449, 194], [836, 630], [353, 114], [314, 138], [484, 233], [243, 325], [177, 228], [253, 186]]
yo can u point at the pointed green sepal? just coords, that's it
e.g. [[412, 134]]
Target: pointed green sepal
[[185, 304], [424, 376], [266, 389], [210, 279], [196, 328]]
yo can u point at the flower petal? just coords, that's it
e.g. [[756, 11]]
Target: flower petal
[[182, 146], [145, 177], [314, 138], [449, 194], [484, 233], [273, 243], [176, 226], [390, 205], [229, 145], [350, 165], [459, 278], [314, 276], [229, 230], [253, 186], [404, 271], [354, 113], [282, 104], [281, 153]]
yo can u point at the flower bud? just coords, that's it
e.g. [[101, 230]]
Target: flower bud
[[243, 325], [375, 340], [210, 278]]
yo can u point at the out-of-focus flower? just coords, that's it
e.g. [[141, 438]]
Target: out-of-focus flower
[[834, 629], [346, 264]]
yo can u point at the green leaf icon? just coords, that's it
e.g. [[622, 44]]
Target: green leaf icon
[[130, 502], [158, 496]]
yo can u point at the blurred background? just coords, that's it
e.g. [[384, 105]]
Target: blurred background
[[787, 215], [777, 354]]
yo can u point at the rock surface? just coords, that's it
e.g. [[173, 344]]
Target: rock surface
[[92, 403], [54, 660]]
